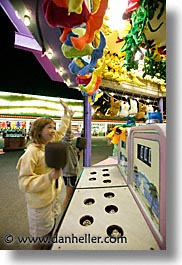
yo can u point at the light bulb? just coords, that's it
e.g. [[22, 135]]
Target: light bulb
[[26, 20]]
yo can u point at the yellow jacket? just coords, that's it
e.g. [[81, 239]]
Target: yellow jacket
[[33, 176]]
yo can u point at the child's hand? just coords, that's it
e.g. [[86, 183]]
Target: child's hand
[[55, 174], [71, 112], [65, 106]]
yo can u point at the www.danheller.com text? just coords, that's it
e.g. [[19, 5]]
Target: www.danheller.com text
[[70, 239]]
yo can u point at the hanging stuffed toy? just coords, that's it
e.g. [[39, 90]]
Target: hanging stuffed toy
[[155, 116], [133, 106], [88, 72], [83, 79], [141, 13], [115, 107], [96, 79], [72, 5], [57, 14], [152, 117], [149, 108], [76, 65], [132, 6], [94, 23], [101, 106], [69, 51], [92, 99], [141, 114], [130, 122], [124, 109], [118, 133], [95, 54]]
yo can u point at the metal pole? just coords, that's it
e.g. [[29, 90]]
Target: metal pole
[[161, 106], [87, 133]]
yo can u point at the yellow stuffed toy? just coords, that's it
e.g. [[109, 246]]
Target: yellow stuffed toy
[[75, 6], [141, 114], [118, 133], [115, 107], [96, 80]]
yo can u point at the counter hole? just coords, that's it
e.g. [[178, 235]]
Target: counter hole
[[107, 181], [86, 220], [115, 231], [111, 209], [106, 175], [109, 195], [89, 201], [93, 173], [92, 179]]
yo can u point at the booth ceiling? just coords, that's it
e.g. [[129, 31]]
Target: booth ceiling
[[81, 48]]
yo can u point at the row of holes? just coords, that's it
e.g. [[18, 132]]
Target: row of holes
[[104, 175], [112, 230], [87, 220]]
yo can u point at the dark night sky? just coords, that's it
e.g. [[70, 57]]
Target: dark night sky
[[21, 72]]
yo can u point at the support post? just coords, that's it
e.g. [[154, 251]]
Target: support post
[[161, 106], [87, 133]]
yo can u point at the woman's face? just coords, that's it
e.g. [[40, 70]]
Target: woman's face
[[48, 133]]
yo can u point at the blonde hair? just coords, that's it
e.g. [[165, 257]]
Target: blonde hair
[[37, 127]]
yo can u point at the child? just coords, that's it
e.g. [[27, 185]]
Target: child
[[37, 181], [71, 170]]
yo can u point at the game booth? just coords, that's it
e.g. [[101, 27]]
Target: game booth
[[121, 201]]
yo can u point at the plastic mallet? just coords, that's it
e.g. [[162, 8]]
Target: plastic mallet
[[56, 155]]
